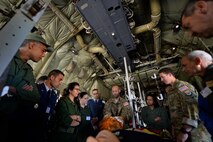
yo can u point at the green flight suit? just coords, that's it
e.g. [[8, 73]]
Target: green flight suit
[[19, 76], [85, 129], [18, 110], [63, 131], [183, 106], [148, 116]]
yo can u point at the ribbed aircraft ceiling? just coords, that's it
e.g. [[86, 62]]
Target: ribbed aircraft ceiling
[[80, 54]]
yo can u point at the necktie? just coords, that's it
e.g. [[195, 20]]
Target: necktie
[[49, 93], [49, 101]]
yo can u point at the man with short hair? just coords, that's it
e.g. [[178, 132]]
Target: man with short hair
[[18, 106], [96, 106], [183, 107], [48, 100], [197, 18], [41, 79], [200, 63], [197, 62], [118, 106]]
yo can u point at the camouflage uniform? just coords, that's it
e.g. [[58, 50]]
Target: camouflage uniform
[[113, 108], [183, 106]]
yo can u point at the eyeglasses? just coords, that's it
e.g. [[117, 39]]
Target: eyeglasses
[[78, 89]]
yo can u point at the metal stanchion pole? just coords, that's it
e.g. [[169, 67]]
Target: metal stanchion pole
[[129, 93]]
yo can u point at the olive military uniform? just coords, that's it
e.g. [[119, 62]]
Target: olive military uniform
[[17, 110], [20, 76], [183, 107], [85, 129], [148, 116], [63, 131]]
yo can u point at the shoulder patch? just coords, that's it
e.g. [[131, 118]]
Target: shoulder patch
[[188, 92], [183, 88]]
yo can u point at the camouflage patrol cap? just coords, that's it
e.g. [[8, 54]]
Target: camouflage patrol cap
[[37, 37]]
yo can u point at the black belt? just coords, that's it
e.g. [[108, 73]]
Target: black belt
[[71, 130]]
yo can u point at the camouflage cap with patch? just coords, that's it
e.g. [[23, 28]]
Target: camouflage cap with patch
[[37, 37]]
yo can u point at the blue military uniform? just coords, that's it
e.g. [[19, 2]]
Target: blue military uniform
[[47, 100], [208, 80], [96, 108], [46, 108], [206, 100]]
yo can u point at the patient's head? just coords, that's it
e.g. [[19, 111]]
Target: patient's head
[[103, 136]]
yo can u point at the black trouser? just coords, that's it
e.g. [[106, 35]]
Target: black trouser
[[24, 124]]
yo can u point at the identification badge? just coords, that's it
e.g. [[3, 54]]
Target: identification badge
[[205, 92], [5, 91], [88, 118], [48, 110]]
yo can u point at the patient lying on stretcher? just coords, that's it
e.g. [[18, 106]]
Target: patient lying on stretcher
[[115, 125]]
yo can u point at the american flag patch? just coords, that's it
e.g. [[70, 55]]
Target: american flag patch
[[183, 88]]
